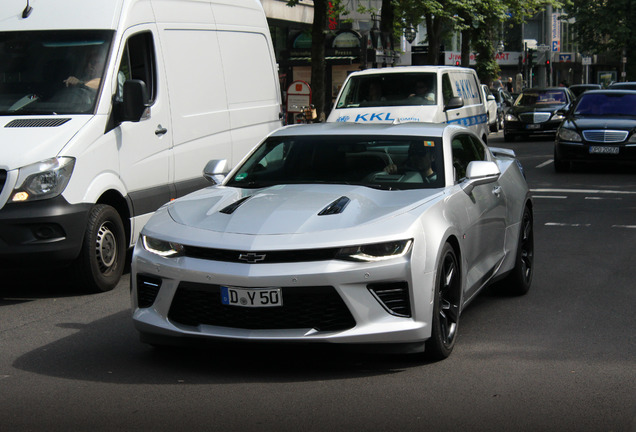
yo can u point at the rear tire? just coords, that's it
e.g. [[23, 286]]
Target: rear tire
[[445, 319], [103, 256]]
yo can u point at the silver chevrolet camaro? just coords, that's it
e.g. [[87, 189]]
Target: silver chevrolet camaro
[[338, 233]]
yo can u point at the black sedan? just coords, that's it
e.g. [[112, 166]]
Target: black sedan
[[537, 111], [600, 127]]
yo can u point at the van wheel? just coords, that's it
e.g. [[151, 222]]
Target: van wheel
[[101, 261]]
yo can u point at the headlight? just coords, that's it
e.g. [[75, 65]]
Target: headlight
[[45, 179], [511, 117], [376, 251], [569, 135], [632, 139], [162, 248]]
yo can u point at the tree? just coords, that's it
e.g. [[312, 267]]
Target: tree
[[605, 27]]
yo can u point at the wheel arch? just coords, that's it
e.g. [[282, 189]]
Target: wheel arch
[[114, 199]]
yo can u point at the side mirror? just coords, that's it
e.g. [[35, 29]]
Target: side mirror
[[135, 100], [454, 103], [480, 173], [215, 171], [490, 97]]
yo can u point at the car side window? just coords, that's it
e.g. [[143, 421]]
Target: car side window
[[138, 62], [447, 89], [464, 152]]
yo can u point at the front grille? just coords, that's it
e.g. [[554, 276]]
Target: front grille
[[147, 290], [319, 308], [535, 117], [265, 257], [605, 136], [46, 122], [394, 296]]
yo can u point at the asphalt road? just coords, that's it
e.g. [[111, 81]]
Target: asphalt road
[[562, 358]]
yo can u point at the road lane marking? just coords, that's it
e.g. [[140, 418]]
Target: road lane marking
[[567, 224], [624, 226], [584, 191], [604, 198], [550, 196], [548, 162]]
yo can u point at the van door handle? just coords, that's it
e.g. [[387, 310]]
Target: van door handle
[[496, 191], [161, 130]]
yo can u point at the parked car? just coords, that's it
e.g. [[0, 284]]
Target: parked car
[[338, 233], [537, 111], [628, 85], [578, 89], [491, 108], [600, 127]]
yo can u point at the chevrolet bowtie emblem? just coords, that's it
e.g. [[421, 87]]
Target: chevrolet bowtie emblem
[[251, 257]]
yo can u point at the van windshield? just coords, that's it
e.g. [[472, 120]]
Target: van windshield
[[52, 72], [390, 89]]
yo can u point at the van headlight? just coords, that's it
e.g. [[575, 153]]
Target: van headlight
[[376, 251], [44, 179], [162, 248]]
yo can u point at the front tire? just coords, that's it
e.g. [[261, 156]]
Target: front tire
[[518, 281], [102, 258], [445, 317]]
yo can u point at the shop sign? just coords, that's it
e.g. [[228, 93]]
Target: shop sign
[[298, 96]]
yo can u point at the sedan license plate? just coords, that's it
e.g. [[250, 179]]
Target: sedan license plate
[[604, 150], [251, 297], [533, 126]]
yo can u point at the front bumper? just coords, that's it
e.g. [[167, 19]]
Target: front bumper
[[520, 128], [47, 231], [566, 151], [366, 319]]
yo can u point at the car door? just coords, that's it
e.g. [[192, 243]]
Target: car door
[[484, 231]]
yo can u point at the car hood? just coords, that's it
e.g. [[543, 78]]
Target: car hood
[[604, 123], [25, 140], [292, 209]]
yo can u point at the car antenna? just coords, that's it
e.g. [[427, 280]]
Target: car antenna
[[27, 10]]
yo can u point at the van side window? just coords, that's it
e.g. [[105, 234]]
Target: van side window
[[138, 62], [464, 152], [447, 89]]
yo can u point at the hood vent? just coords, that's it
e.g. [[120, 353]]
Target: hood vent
[[335, 207], [49, 122], [232, 207]]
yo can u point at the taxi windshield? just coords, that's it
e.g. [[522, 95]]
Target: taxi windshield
[[52, 72]]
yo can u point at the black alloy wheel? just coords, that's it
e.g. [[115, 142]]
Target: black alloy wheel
[[445, 319]]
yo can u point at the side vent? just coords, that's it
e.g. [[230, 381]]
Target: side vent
[[393, 296], [232, 207], [48, 122], [335, 207], [147, 290]]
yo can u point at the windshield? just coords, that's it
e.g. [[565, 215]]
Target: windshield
[[378, 162], [603, 104], [389, 90], [542, 97], [51, 72]]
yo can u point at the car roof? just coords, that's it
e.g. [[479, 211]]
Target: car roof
[[410, 69], [337, 128], [612, 91]]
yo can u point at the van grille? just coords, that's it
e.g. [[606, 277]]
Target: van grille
[[319, 308], [605, 136], [47, 122]]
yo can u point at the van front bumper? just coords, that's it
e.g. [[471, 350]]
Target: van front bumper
[[44, 231]]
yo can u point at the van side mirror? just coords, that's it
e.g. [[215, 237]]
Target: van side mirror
[[135, 100], [215, 171], [480, 173], [454, 103]]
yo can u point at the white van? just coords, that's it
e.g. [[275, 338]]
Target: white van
[[110, 108], [432, 94]]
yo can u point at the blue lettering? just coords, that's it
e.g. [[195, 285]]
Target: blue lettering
[[361, 117], [388, 117], [376, 117]]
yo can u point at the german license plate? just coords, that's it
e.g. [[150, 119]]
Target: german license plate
[[533, 126], [251, 297], [604, 150]]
